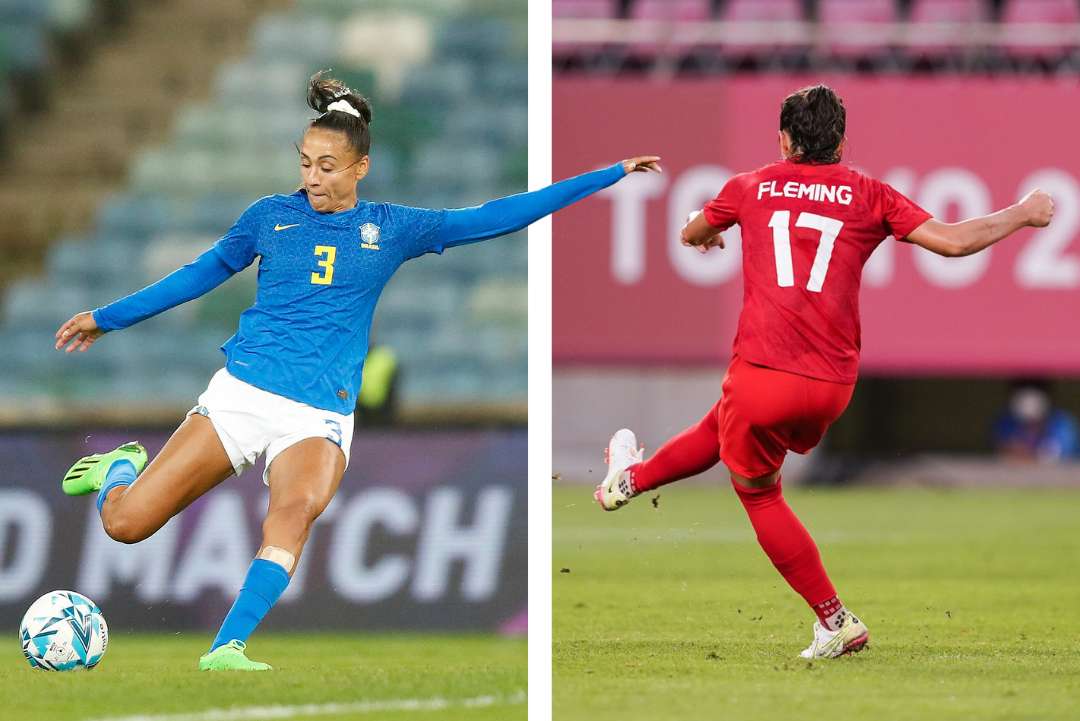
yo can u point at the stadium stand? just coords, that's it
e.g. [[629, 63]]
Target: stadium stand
[[863, 35], [449, 92]]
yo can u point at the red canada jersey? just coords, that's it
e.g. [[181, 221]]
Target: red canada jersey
[[807, 231]]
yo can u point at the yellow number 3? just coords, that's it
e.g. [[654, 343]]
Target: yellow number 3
[[326, 277]]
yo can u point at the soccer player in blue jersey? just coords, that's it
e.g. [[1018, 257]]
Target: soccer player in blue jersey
[[292, 371]]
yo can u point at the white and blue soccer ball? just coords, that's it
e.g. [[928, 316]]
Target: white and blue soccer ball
[[64, 631]]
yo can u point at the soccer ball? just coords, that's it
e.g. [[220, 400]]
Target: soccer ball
[[64, 631]]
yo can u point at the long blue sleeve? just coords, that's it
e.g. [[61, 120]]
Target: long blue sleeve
[[514, 212], [197, 278]]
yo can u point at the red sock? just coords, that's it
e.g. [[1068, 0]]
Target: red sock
[[695, 450], [791, 549]]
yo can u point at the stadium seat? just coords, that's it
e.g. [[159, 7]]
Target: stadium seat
[[669, 17], [203, 126], [385, 175], [129, 215], [308, 39], [500, 80], [403, 126], [937, 25], [37, 302], [438, 86], [74, 260], [263, 84], [581, 10], [498, 301], [768, 12], [24, 45], [338, 9], [1023, 20], [32, 11], [477, 39], [214, 213], [390, 43], [856, 30], [68, 15], [439, 165], [584, 9]]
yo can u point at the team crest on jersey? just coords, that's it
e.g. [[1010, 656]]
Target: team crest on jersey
[[369, 236]]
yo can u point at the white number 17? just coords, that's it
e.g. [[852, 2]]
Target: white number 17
[[785, 273]]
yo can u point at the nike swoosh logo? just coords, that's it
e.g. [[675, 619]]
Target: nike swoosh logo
[[285, 227]]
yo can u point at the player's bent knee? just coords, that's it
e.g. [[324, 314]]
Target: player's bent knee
[[764, 481]]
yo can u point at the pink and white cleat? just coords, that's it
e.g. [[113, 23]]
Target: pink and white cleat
[[852, 637], [622, 452]]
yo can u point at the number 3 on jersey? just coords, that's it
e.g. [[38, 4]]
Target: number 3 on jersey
[[785, 273], [326, 275]]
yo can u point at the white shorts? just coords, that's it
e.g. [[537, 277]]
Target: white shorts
[[250, 421]]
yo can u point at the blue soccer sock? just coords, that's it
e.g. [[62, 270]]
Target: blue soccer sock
[[263, 586], [121, 473]]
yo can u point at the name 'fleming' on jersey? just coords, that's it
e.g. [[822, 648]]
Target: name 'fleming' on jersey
[[819, 192]]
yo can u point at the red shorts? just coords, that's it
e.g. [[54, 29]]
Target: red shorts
[[764, 413]]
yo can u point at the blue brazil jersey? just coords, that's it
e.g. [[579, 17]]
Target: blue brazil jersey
[[320, 276]]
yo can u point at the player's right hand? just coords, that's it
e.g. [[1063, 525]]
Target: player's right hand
[[79, 333], [716, 241], [703, 246], [1040, 208]]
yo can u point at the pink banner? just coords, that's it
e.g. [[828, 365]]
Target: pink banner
[[625, 291]]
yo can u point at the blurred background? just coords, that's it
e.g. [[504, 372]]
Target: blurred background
[[133, 134], [970, 367]]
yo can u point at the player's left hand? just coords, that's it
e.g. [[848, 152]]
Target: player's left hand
[[1040, 208], [642, 164]]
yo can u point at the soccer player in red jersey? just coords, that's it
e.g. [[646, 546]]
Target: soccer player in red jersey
[[809, 224]]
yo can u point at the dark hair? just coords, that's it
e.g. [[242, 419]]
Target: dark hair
[[323, 91], [815, 119]]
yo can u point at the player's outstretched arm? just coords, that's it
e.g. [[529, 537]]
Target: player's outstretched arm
[[514, 212], [197, 278], [955, 240]]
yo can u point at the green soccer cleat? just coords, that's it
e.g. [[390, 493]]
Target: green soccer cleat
[[230, 657], [88, 473]]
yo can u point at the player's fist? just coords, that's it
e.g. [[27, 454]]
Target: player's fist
[[1040, 208], [702, 242], [78, 333], [642, 164]]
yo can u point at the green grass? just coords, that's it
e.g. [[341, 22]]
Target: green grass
[[146, 674], [673, 612]]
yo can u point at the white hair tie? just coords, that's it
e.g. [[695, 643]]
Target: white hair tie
[[344, 106]]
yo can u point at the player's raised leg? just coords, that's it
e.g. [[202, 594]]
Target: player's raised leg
[[303, 480], [694, 451], [793, 552], [192, 462]]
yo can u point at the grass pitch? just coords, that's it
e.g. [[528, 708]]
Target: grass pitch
[[673, 612], [371, 676]]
